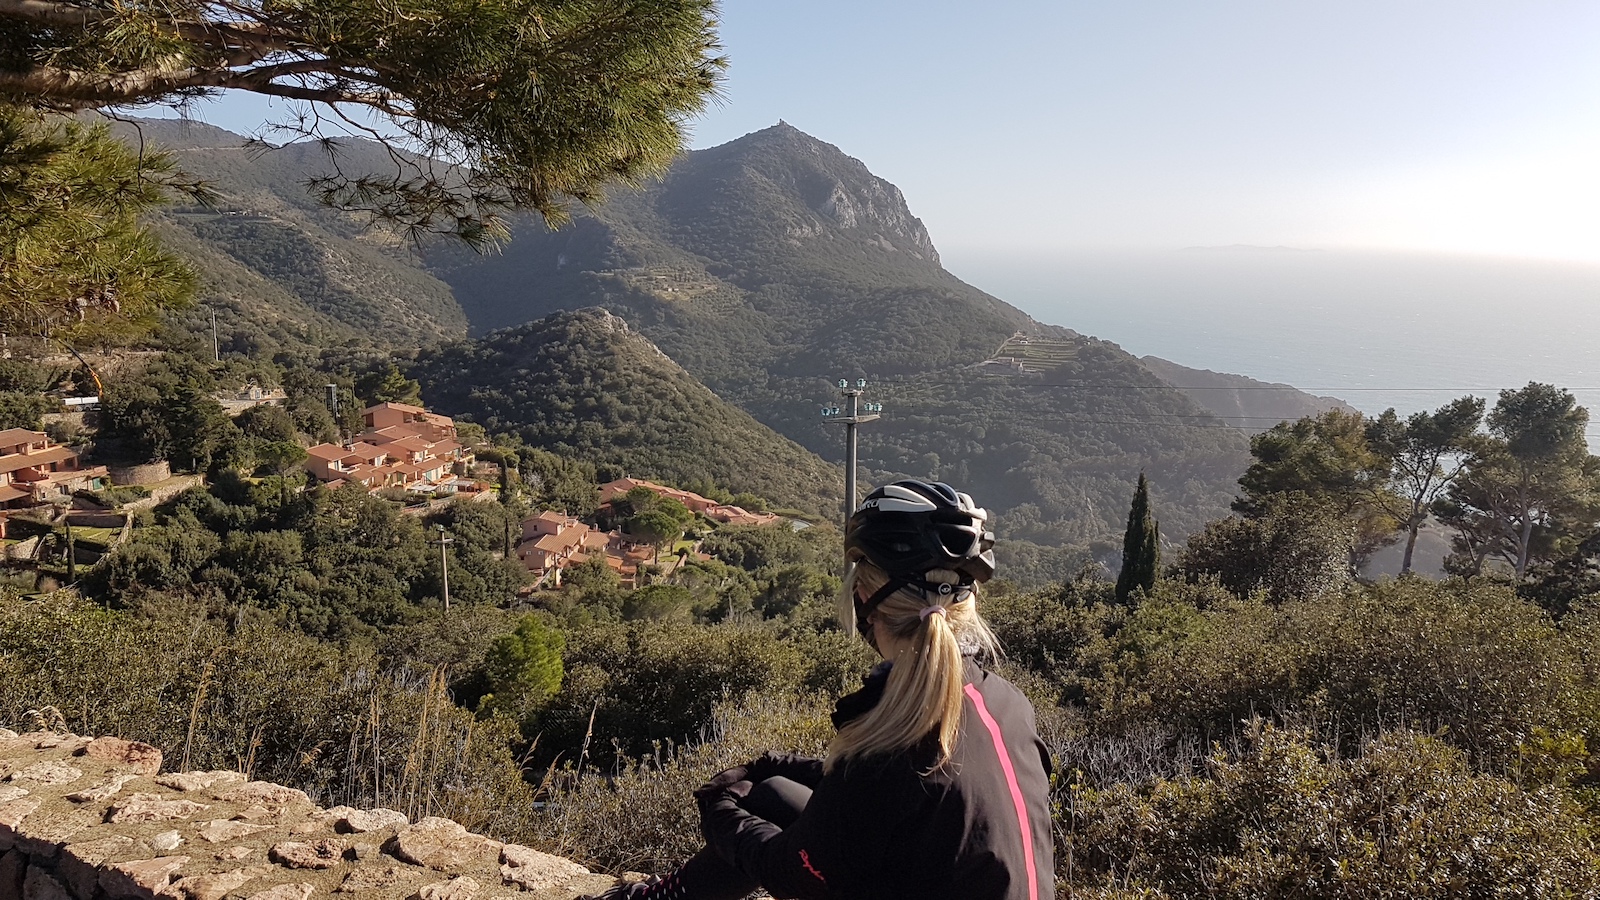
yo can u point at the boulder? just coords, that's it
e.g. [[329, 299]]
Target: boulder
[[443, 845], [362, 821], [135, 756], [532, 870], [324, 854], [220, 831], [197, 781], [48, 772], [101, 792]]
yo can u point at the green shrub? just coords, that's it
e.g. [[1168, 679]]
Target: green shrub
[[118, 495], [1406, 817], [1469, 659], [1293, 550], [255, 698], [523, 669], [641, 816], [645, 681]]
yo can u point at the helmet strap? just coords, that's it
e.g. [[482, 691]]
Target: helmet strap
[[864, 610], [928, 588]]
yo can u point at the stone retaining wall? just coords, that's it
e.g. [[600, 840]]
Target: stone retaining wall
[[95, 819], [141, 473]]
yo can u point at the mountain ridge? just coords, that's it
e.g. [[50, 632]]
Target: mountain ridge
[[767, 268]]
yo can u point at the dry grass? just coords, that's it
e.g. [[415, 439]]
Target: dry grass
[[641, 816]]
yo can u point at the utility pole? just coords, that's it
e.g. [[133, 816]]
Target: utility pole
[[444, 541], [853, 414], [333, 407], [216, 348]]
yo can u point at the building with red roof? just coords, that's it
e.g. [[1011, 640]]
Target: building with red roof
[[35, 471]]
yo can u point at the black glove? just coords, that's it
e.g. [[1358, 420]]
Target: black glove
[[722, 784]]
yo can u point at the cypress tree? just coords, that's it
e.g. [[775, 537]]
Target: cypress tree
[[1141, 545]]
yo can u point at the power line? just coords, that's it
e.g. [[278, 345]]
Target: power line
[[1165, 387], [1221, 421]]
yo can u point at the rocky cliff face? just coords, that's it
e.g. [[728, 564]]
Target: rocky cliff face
[[784, 163], [95, 819]]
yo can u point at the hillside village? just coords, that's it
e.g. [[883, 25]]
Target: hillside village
[[415, 457]]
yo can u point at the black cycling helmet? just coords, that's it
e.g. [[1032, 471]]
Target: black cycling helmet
[[910, 527]]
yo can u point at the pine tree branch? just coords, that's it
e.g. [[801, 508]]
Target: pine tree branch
[[239, 43], [68, 89], [55, 15]]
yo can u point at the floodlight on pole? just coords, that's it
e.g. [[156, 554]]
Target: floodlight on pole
[[855, 414]]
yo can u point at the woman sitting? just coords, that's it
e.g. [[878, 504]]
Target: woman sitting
[[936, 785]]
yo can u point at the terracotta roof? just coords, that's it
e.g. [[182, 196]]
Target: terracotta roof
[[367, 451], [13, 436], [391, 433], [11, 462], [624, 485], [555, 543], [403, 407], [329, 452], [735, 515], [9, 493], [363, 474]]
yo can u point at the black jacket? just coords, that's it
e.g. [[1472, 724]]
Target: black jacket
[[883, 828]]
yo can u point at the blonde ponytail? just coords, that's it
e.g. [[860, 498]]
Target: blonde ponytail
[[924, 693]]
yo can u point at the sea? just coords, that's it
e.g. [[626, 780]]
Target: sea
[[1378, 330]]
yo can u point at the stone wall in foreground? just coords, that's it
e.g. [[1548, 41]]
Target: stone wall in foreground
[[95, 819]]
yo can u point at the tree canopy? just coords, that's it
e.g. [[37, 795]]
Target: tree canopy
[[484, 105], [1427, 452], [1532, 488], [1324, 459]]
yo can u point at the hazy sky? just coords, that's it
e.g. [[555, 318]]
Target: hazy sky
[[1061, 124], [1462, 126]]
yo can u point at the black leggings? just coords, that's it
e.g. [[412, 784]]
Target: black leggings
[[706, 876]]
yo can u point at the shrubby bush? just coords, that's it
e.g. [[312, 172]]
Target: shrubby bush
[[1292, 549], [522, 669], [639, 815], [341, 724], [1406, 816], [336, 564], [1470, 660], [640, 682]]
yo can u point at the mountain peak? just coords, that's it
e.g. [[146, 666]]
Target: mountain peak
[[837, 191]]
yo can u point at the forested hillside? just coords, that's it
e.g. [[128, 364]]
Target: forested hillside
[[272, 259], [1241, 401], [583, 385]]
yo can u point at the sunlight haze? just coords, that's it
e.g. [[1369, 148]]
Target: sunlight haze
[[1441, 126]]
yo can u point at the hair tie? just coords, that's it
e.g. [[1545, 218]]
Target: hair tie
[[927, 611]]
